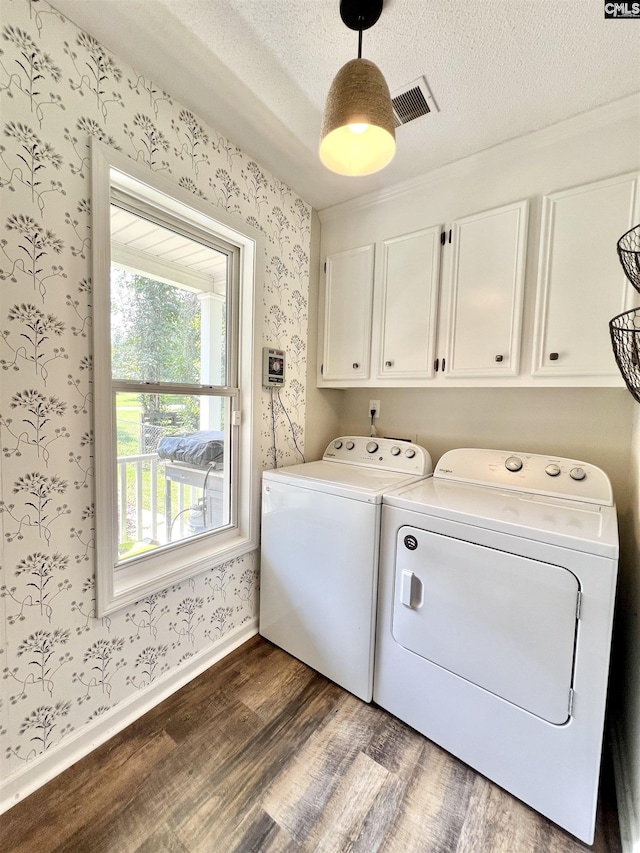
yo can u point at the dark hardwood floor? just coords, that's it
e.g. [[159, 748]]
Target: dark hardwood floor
[[262, 754]]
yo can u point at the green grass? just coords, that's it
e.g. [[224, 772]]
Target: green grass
[[128, 438], [128, 420], [131, 400]]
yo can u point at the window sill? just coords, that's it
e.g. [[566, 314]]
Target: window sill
[[148, 575]]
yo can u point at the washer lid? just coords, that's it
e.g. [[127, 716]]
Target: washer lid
[[351, 481], [578, 525]]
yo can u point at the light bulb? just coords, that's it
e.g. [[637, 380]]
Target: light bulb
[[358, 133]]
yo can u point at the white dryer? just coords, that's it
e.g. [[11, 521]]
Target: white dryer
[[319, 553], [496, 596]]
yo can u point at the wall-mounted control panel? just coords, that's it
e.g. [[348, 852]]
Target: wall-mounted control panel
[[274, 365]]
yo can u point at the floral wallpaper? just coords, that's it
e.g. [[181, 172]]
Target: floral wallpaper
[[63, 668]]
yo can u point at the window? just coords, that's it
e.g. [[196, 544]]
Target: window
[[174, 336], [173, 378]]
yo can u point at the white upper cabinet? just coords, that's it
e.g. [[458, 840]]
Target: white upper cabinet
[[452, 312], [581, 284], [347, 315], [418, 335], [485, 294], [407, 308]]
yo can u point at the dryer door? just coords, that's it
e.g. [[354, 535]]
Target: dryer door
[[504, 622]]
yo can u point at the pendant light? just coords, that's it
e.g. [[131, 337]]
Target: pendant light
[[358, 129]]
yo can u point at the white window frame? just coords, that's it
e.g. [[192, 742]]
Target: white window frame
[[121, 585]]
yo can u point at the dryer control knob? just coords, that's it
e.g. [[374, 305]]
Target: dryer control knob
[[350, 445], [372, 446], [577, 473], [513, 463], [337, 444], [410, 453], [395, 451], [552, 469]]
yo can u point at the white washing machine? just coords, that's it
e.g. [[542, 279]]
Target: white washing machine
[[496, 596], [319, 553]]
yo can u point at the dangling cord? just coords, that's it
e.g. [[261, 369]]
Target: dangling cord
[[359, 44], [273, 427], [293, 432]]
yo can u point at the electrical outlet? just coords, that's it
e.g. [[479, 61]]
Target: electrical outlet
[[374, 404]]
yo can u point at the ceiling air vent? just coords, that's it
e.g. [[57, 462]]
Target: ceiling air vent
[[412, 101]]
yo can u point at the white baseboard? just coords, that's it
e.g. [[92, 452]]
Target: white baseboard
[[628, 816], [41, 770]]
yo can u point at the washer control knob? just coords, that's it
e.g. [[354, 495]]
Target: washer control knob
[[372, 446], [349, 445], [395, 451], [577, 473], [409, 453], [337, 444], [552, 469], [513, 463]]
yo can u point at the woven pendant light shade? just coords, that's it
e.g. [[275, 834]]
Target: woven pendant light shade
[[358, 133]]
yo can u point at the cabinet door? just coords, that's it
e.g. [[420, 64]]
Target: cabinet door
[[486, 287], [409, 304], [347, 314], [581, 284]]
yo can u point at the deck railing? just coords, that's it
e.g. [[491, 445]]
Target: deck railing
[[140, 514]]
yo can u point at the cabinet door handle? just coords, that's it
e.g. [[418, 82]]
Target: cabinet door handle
[[499, 358], [443, 365], [436, 364], [388, 364], [355, 365], [553, 356]]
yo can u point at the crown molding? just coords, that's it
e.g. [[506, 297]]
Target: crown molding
[[511, 149]]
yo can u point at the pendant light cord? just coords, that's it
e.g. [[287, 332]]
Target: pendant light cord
[[359, 44]]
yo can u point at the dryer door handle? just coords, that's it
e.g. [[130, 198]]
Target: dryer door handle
[[406, 588]]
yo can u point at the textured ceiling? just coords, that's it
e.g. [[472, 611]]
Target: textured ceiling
[[258, 71]]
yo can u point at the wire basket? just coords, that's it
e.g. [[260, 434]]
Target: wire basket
[[625, 337], [629, 254]]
